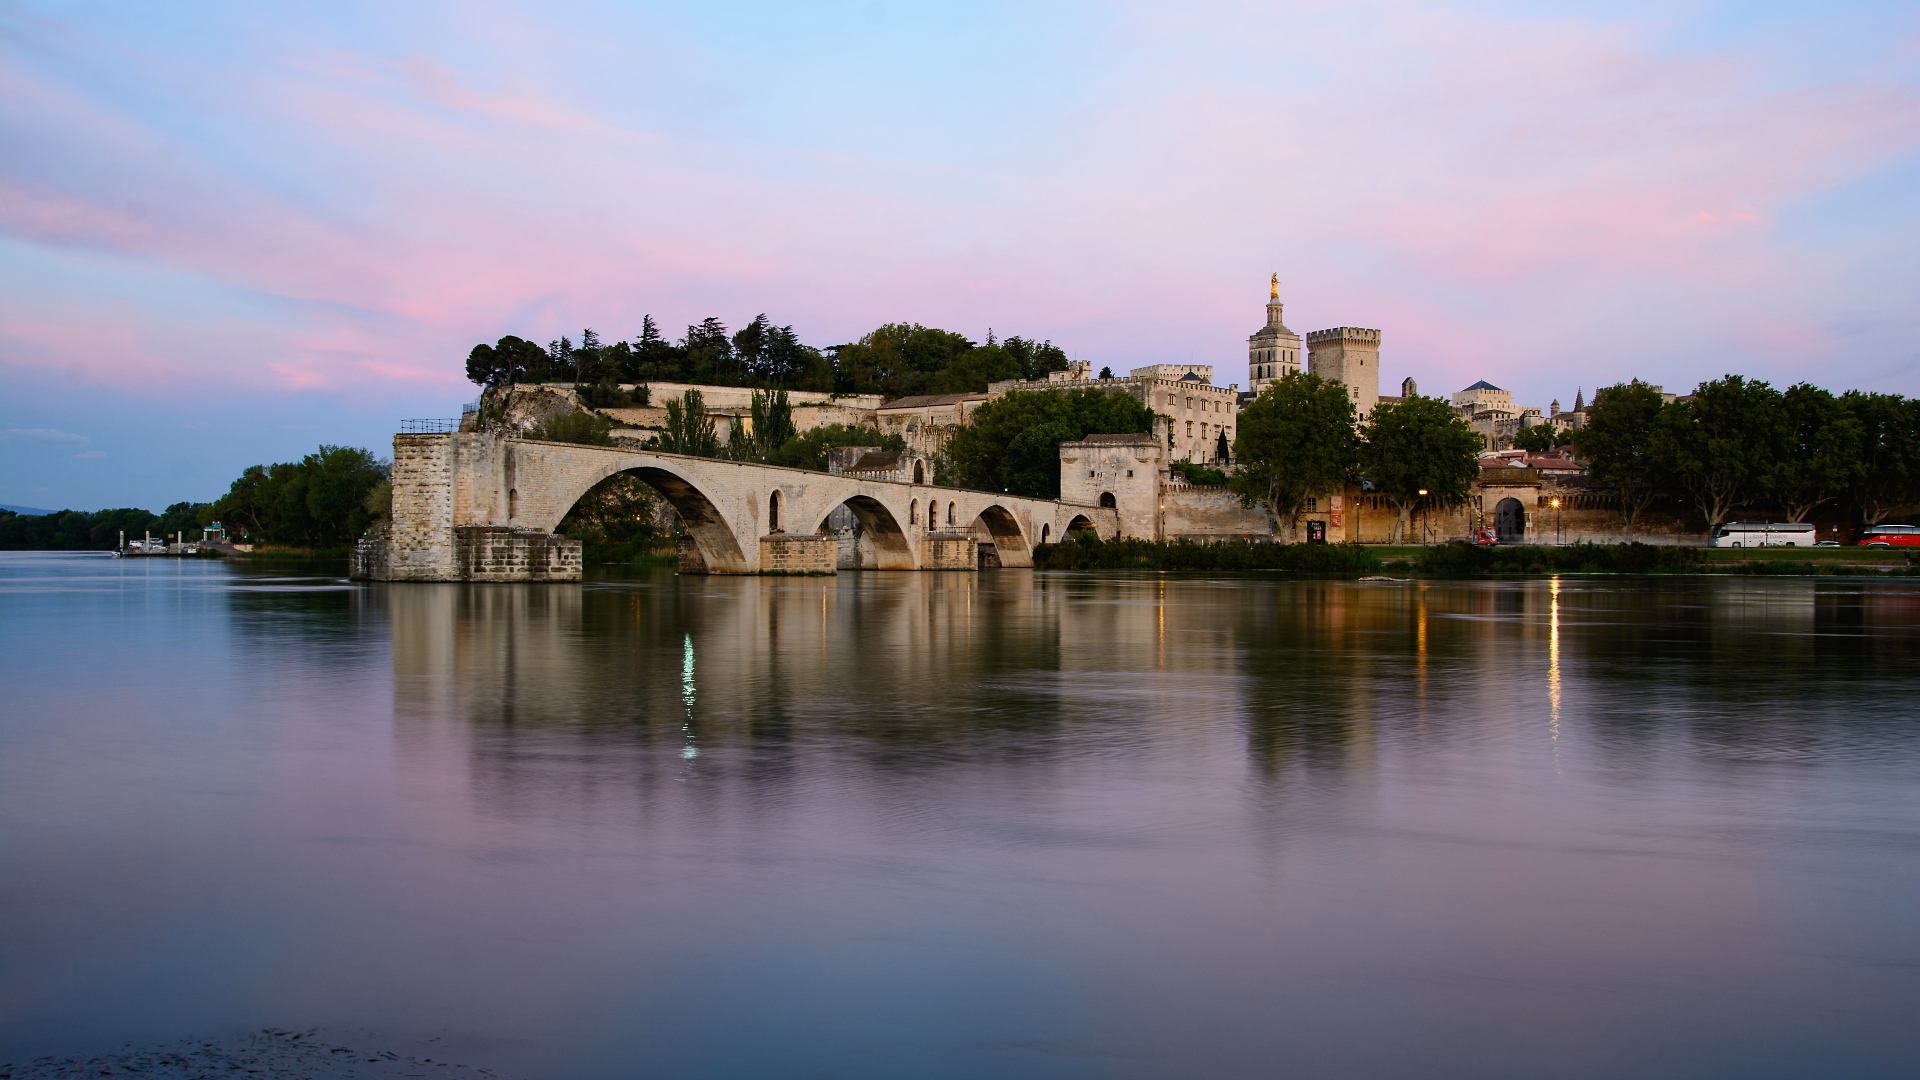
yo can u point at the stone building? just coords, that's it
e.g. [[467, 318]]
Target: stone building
[[1273, 350], [1196, 414], [1129, 474], [1348, 354]]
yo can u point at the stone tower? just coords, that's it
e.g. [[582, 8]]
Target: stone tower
[[1273, 350], [1350, 355]]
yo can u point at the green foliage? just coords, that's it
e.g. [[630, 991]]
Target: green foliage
[[1723, 444], [1416, 444], [689, 428], [608, 394], [1195, 473], [1618, 443], [808, 450], [586, 428], [771, 421], [616, 521], [319, 501], [1541, 437], [1886, 428], [1821, 459], [1013, 442], [1085, 552], [509, 360], [1467, 560], [74, 530], [1294, 442]]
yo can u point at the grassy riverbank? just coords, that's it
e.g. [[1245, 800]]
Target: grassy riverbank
[[1465, 561], [1349, 560]]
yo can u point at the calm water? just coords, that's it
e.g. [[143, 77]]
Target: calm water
[[1007, 824]]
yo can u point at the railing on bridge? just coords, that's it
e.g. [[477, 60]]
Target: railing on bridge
[[429, 427]]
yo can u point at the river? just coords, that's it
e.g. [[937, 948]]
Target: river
[[1008, 824]]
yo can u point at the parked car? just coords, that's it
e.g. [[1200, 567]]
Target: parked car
[[1828, 543]]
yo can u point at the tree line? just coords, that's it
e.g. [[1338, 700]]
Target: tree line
[[1738, 444], [895, 360], [327, 499]]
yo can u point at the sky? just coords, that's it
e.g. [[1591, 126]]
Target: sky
[[232, 232]]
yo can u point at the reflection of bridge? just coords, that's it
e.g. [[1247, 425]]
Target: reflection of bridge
[[478, 506]]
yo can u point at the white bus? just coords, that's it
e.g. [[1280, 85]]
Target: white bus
[[1764, 534]]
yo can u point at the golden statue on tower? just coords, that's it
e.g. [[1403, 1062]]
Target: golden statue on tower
[[1275, 294]]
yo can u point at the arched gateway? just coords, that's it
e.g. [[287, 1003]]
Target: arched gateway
[[475, 506]]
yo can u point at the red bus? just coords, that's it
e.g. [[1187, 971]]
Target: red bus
[[1890, 536]]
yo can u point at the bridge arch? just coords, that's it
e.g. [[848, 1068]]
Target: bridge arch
[[1009, 542], [891, 547], [706, 525]]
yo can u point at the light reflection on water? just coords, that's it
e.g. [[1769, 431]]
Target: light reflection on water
[[933, 825]]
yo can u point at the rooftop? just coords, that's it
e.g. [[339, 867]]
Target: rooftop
[[928, 400], [1483, 385], [1129, 437]]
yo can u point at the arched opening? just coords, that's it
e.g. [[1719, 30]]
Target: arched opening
[[913, 512], [513, 503], [1002, 530], [773, 512], [700, 521], [1510, 521], [1081, 524], [949, 513], [1107, 500], [876, 528], [919, 473], [1045, 532]]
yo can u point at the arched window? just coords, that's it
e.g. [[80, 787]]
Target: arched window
[[773, 512], [949, 513], [913, 509], [513, 502], [919, 474], [1044, 530], [1107, 500], [933, 513]]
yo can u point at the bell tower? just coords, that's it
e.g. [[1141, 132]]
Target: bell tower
[[1273, 350]]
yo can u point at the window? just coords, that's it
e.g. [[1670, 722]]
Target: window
[[773, 512], [1129, 474], [913, 511], [1189, 429], [1313, 505], [949, 513]]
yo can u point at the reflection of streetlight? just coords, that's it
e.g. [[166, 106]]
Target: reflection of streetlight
[[1557, 518]]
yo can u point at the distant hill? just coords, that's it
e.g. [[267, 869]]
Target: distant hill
[[34, 510]]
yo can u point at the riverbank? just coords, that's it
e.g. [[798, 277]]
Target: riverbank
[[1464, 560]]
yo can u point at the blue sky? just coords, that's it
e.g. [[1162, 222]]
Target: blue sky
[[229, 233]]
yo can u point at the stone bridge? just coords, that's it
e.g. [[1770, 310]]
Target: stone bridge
[[481, 506]]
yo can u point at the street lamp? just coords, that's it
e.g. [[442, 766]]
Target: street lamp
[[1423, 518], [1557, 518]]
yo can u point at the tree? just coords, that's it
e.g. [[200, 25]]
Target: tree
[[1722, 444], [709, 353], [1887, 428], [1012, 443], [503, 363], [1419, 444], [586, 359], [689, 428], [808, 450], [749, 344], [1295, 441], [1821, 459], [1540, 438], [772, 422], [1618, 442], [615, 521]]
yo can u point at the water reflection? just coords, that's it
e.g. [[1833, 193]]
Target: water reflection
[[955, 825]]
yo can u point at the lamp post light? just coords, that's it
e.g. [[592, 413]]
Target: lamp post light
[[1558, 517], [1423, 516]]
